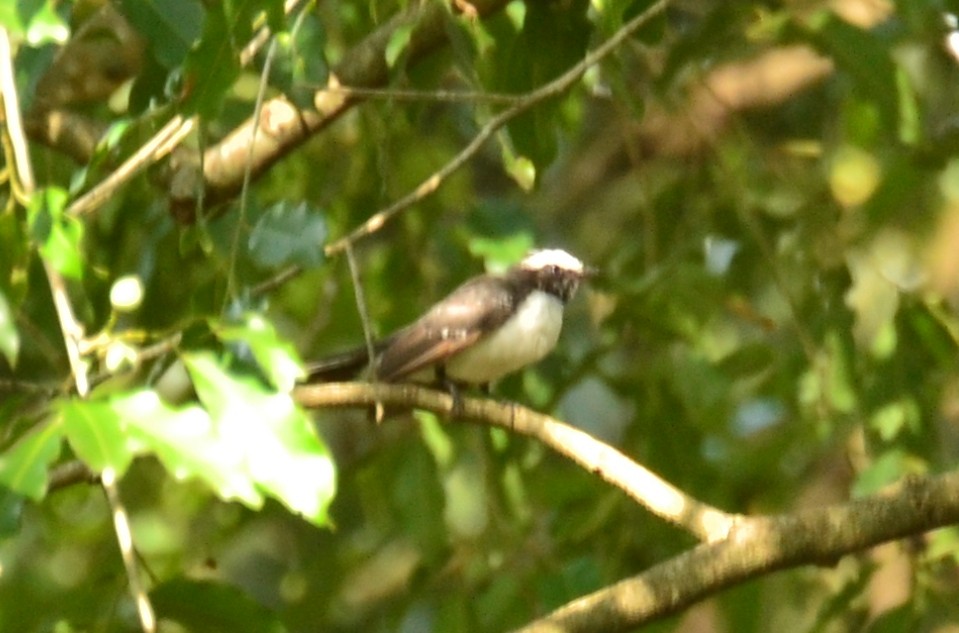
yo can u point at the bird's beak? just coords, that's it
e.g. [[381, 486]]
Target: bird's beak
[[590, 272]]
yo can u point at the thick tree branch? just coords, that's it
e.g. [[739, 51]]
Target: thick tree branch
[[658, 496], [283, 126], [758, 546], [737, 547]]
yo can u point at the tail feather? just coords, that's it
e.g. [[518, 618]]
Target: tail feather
[[343, 366], [346, 365]]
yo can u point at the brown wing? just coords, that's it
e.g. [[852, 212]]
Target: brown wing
[[451, 326]]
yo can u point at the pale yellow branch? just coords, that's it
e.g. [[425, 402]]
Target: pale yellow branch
[[643, 486]]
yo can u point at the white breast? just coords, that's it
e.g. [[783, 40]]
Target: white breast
[[525, 338]]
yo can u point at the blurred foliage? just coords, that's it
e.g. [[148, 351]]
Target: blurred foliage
[[770, 189]]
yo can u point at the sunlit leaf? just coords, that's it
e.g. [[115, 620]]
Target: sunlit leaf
[[58, 235], [45, 25], [9, 338], [892, 419], [886, 469], [23, 466], [398, 42], [188, 444], [274, 438], [97, 434], [276, 356], [9, 18]]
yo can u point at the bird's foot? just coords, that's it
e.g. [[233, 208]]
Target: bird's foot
[[453, 388]]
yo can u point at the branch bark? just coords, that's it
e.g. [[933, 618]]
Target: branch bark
[[736, 548], [758, 546], [282, 127], [658, 496]]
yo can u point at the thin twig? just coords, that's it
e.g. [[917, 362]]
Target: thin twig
[[121, 525], [361, 303], [160, 144], [247, 172], [70, 473], [649, 490], [530, 99], [521, 103], [361, 308], [442, 96], [72, 332], [276, 280], [168, 137]]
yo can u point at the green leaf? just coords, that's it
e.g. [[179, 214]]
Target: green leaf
[[274, 438], [520, 168], [9, 338], [188, 444], [14, 259], [212, 65], [865, 56], [239, 15], [399, 41], [97, 434], [276, 356], [43, 24], [211, 607], [289, 233], [892, 419], [11, 513], [888, 468], [58, 235], [9, 18], [23, 466], [62, 250], [170, 26], [553, 37], [300, 65]]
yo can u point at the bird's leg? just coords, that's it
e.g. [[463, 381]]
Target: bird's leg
[[450, 387]]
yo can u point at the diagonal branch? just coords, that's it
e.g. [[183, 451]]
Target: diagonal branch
[[737, 548], [545, 92], [283, 127], [658, 496], [758, 546]]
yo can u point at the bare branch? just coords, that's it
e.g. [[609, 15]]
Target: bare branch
[[545, 92], [157, 147], [658, 496], [438, 96], [283, 126], [737, 547], [758, 546], [70, 473], [521, 104]]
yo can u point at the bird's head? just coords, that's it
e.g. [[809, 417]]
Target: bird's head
[[554, 271]]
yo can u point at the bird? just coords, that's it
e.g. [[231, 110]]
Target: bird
[[490, 326]]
